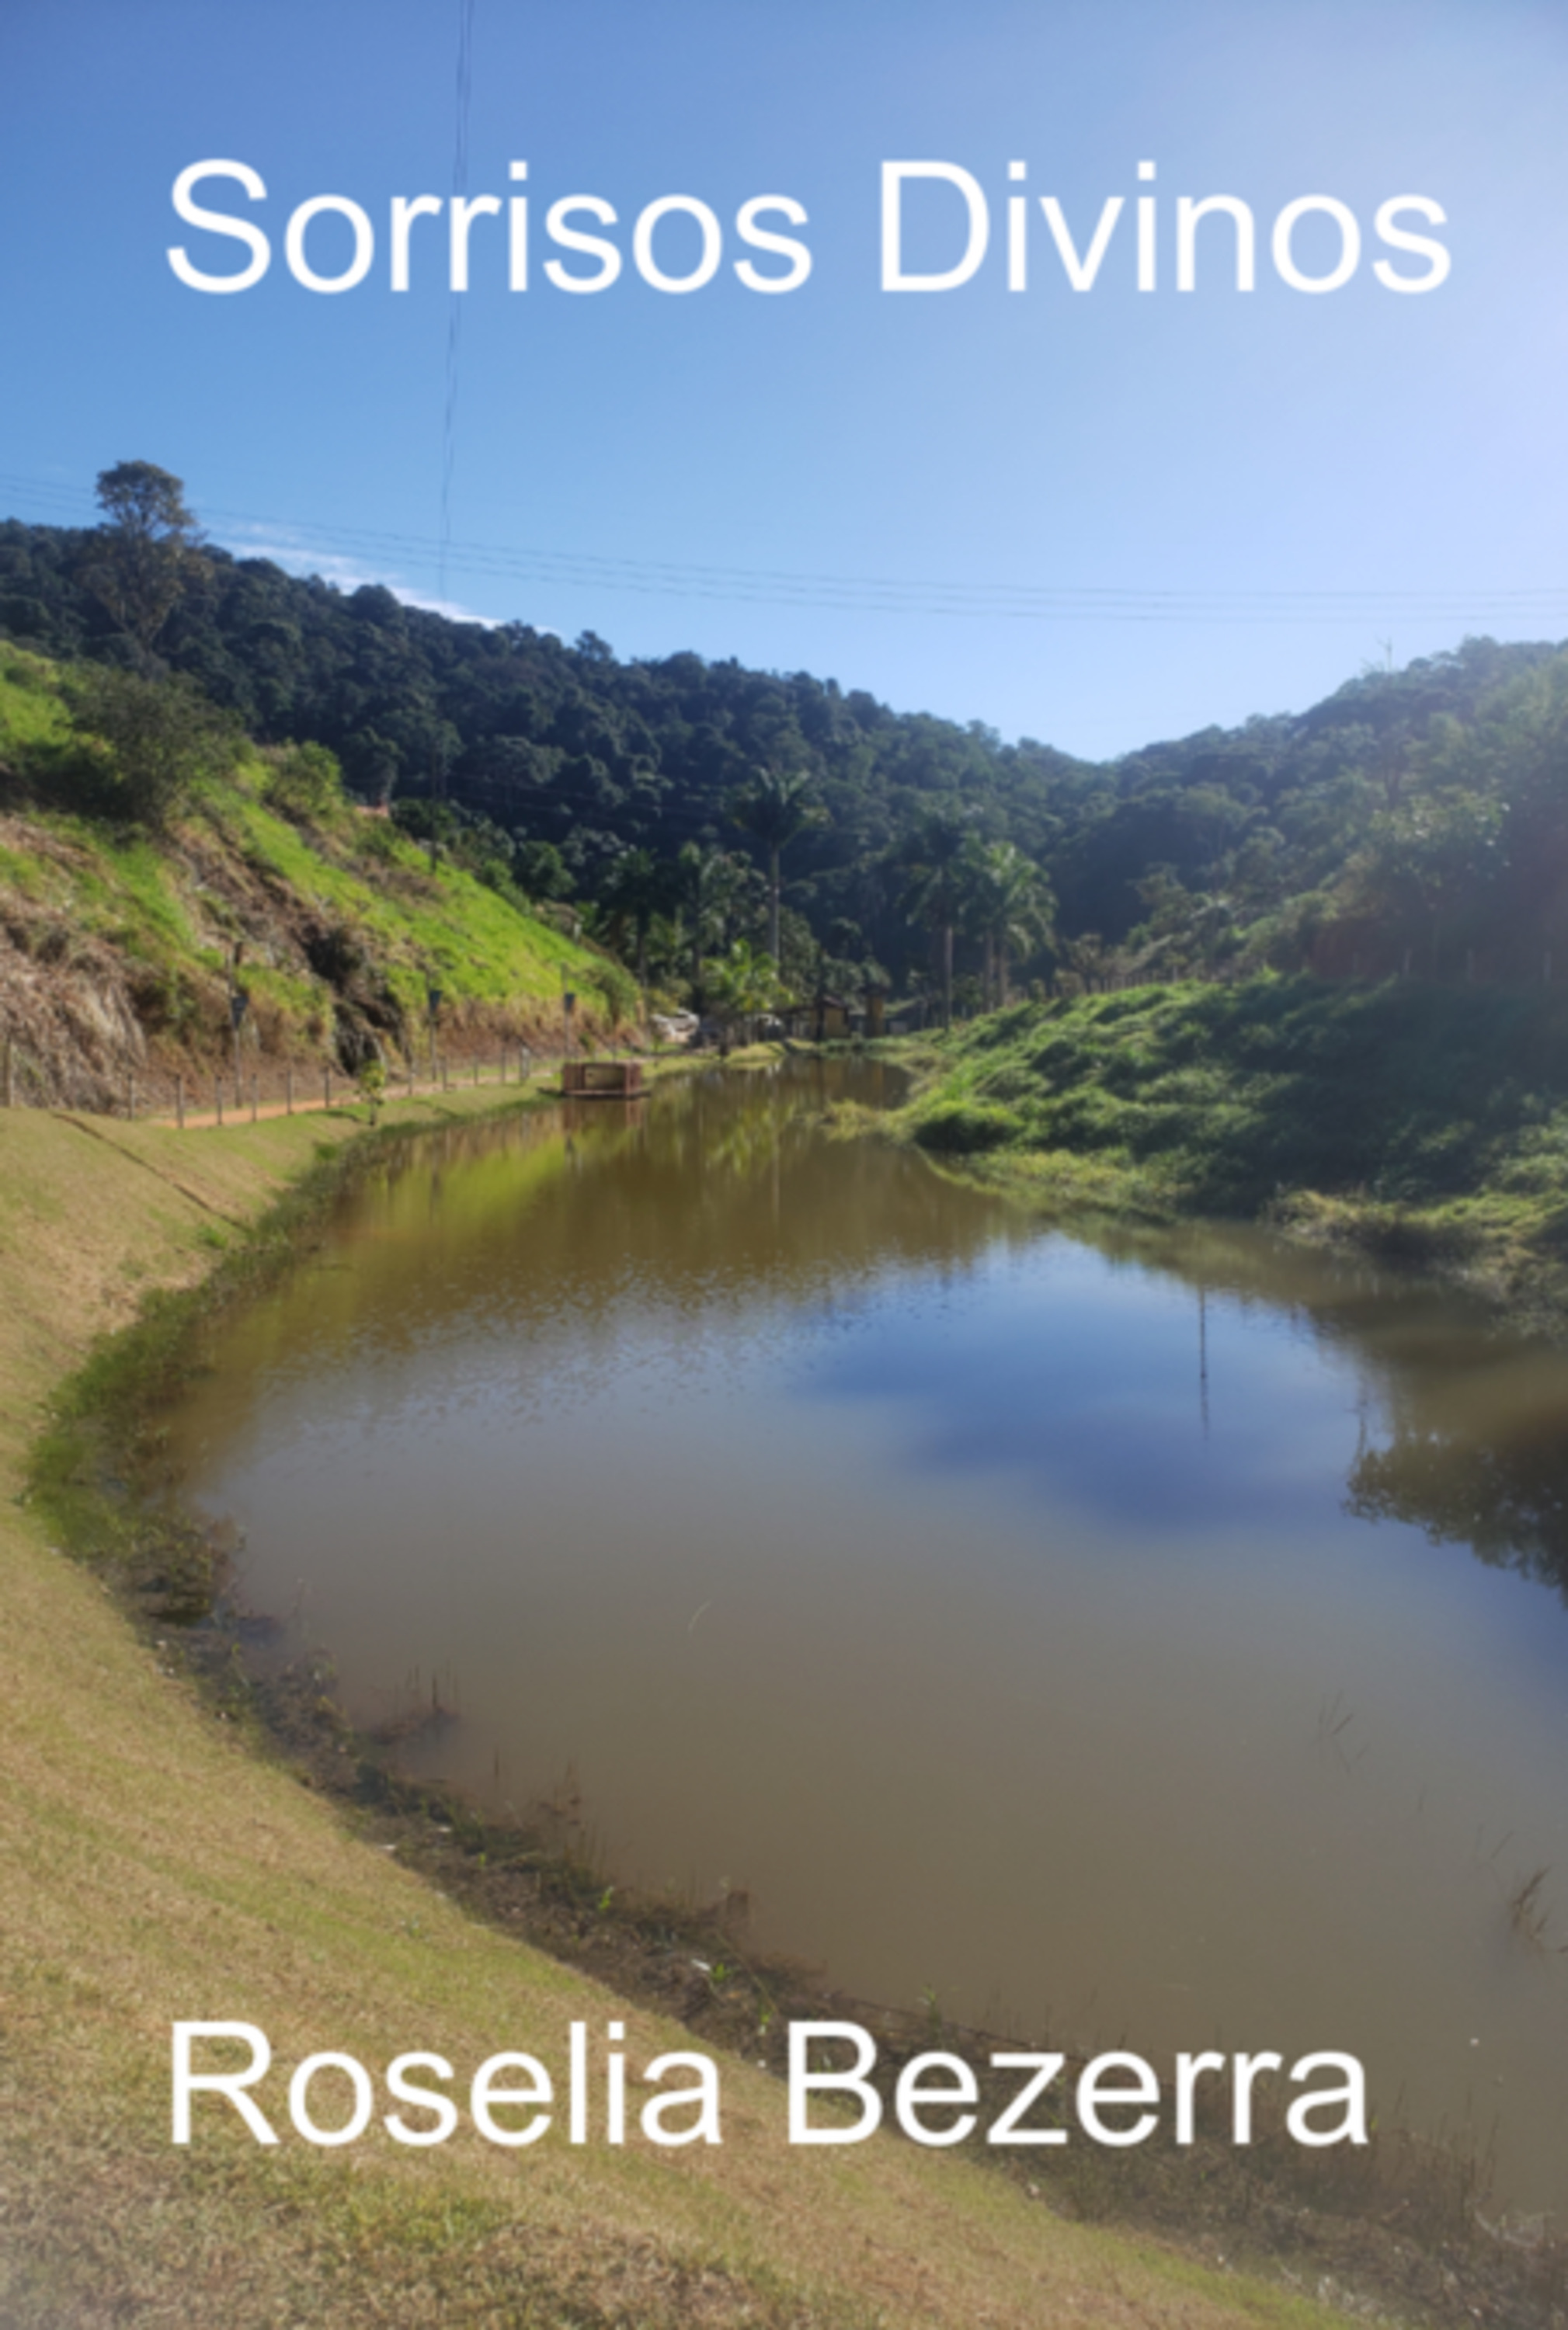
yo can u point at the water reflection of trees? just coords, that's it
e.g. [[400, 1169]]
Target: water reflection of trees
[[1469, 1420], [723, 1188], [1506, 1500], [719, 1189], [1475, 1451], [728, 1184]]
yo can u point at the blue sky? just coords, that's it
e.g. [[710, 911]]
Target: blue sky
[[927, 495]]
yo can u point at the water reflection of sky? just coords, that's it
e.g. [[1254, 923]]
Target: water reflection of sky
[[1089, 1381], [1097, 1386], [865, 1509]]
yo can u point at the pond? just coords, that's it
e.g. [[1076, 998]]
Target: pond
[[1154, 1636]]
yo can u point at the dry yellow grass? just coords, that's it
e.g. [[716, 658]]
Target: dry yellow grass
[[151, 1867]]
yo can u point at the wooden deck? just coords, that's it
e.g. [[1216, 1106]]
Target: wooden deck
[[601, 1079]]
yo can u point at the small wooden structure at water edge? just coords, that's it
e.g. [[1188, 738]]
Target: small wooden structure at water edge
[[825, 1018], [601, 1079]]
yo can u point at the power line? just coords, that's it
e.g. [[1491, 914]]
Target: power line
[[924, 595], [1060, 602], [455, 303], [985, 601]]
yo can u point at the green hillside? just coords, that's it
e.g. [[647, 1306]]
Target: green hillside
[[1414, 820], [123, 934], [1428, 1121]]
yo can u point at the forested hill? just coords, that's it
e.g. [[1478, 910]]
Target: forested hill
[[1418, 815]]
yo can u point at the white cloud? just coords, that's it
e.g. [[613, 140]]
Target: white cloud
[[349, 573]]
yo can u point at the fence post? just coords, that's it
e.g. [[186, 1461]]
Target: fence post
[[326, 1088], [218, 1095], [289, 1089], [255, 1096], [130, 1094], [180, 1103], [10, 1079]]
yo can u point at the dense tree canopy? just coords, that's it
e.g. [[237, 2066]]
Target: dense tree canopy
[[1415, 819]]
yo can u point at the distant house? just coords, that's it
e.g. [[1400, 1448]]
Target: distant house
[[820, 1019], [910, 1012]]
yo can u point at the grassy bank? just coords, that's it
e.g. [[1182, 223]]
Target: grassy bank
[[154, 1867], [118, 942], [1425, 1123]]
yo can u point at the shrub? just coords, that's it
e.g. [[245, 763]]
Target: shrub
[[164, 739], [303, 781], [617, 990], [965, 1127]]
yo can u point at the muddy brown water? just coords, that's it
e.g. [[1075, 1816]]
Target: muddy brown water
[[1158, 1638]]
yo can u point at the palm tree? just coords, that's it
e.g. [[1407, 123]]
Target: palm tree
[[707, 884], [776, 808], [1013, 905], [637, 889], [933, 857], [744, 983]]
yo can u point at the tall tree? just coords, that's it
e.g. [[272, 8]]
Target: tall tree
[[935, 859], [146, 554], [1012, 905], [707, 886], [776, 808], [638, 886]]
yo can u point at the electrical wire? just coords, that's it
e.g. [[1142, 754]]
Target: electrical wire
[[869, 594], [455, 304]]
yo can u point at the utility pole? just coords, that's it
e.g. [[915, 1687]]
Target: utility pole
[[439, 750], [239, 1004]]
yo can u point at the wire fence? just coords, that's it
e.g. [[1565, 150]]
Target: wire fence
[[195, 1099], [248, 1091]]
